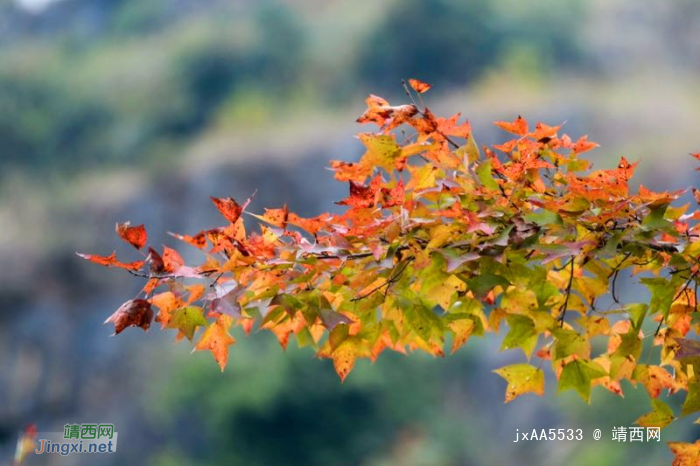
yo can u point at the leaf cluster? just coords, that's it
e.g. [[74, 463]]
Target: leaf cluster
[[441, 240]]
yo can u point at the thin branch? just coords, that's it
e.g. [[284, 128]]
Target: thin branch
[[387, 283], [617, 267], [678, 295], [562, 312], [360, 255], [503, 191], [615, 272], [216, 280], [655, 247], [159, 277], [422, 113], [149, 276]]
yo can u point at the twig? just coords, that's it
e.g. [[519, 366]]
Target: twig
[[216, 280], [678, 295], [422, 113], [503, 191], [387, 283], [159, 277], [360, 255], [655, 247], [149, 276], [615, 272], [562, 312]]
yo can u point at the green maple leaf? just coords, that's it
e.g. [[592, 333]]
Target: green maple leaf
[[660, 416], [577, 375], [187, 319]]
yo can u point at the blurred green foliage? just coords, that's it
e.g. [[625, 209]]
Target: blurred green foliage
[[154, 74], [462, 39], [275, 408], [293, 410], [44, 123]]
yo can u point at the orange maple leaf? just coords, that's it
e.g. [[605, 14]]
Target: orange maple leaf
[[419, 86], [217, 340], [111, 261], [518, 126], [136, 236]]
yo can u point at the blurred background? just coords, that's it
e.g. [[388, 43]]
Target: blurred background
[[115, 110]]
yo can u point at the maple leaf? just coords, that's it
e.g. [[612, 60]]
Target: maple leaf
[[518, 126], [236, 231], [276, 217], [394, 196], [219, 239], [199, 240], [166, 303], [227, 303], [111, 261], [285, 326], [544, 131], [312, 225], [344, 357], [331, 318], [384, 115], [507, 147], [660, 416], [382, 151], [522, 378], [133, 313], [400, 114], [626, 169], [451, 127], [578, 375], [462, 330], [422, 177], [228, 207], [350, 171], [692, 399], [686, 454], [172, 261], [583, 145], [186, 320], [361, 196], [419, 86], [385, 341], [649, 197], [156, 261], [196, 291], [696, 156], [378, 111], [135, 236], [655, 379], [687, 348], [217, 339], [426, 125], [246, 325]]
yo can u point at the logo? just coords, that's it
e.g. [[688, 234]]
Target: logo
[[78, 438]]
